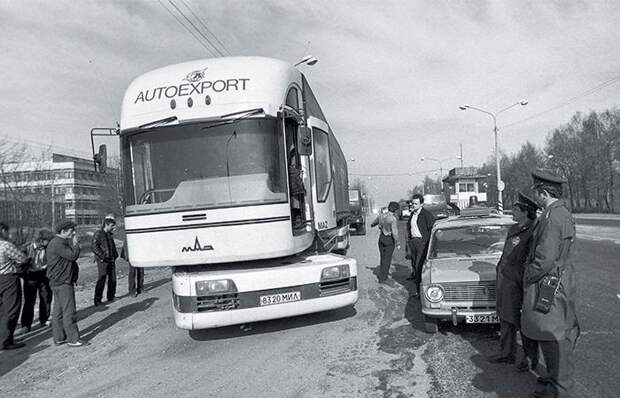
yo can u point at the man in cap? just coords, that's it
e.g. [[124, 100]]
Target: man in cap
[[549, 316], [510, 284]]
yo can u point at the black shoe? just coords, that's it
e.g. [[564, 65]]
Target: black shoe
[[543, 380], [111, 300], [545, 392], [98, 303], [135, 294], [501, 359], [522, 366], [13, 346]]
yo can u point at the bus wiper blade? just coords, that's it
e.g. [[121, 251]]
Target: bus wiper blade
[[243, 115], [167, 120]]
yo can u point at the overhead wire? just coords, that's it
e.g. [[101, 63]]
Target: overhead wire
[[187, 28], [217, 50], [585, 93], [394, 174], [206, 28]]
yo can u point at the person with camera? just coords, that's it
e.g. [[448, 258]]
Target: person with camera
[[548, 315], [62, 272], [510, 284]]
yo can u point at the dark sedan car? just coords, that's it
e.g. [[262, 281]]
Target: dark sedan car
[[437, 205]]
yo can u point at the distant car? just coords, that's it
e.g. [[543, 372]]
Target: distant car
[[437, 205], [458, 277]]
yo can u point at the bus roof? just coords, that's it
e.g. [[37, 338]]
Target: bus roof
[[207, 88]]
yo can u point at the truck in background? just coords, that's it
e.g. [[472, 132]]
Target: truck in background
[[357, 220]]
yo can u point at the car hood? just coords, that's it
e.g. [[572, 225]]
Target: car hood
[[463, 269]]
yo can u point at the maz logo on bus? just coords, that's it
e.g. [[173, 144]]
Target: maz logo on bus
[[323, 224], [197, 247]]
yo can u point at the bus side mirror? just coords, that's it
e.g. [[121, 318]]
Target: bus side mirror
[[101, 159], [304, 139]]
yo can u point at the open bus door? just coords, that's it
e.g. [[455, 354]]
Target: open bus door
[[323, 200]]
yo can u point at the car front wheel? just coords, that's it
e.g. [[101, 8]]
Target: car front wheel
[[430, 325]]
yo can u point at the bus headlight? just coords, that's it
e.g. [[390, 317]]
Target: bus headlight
[[218, 286], [434, 293], [335, 272]]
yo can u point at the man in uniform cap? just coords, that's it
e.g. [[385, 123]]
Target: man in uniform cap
[[556, 328], [510, 284]]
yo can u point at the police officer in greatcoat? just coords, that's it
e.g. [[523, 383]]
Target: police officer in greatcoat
[[510, 284], [549, 315]]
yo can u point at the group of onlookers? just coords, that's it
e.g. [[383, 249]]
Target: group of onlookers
[[535, 279], [49, 269]]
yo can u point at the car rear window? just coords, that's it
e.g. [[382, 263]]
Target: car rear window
[[468, 241]]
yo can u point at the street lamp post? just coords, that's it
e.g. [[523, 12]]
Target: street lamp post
[[440, 161], [500, 183]]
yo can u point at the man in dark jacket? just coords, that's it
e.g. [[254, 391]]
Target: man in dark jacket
[[36, 282], [510, 284], [62, 272], [554, 326], [11, 260], [104, 249], [419, 228]]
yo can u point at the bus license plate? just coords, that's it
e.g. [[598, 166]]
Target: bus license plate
[[486, 318], [280, 298]]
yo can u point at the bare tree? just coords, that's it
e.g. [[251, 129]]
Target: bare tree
[[25, 194]]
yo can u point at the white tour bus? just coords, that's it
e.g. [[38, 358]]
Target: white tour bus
[[233, 177]]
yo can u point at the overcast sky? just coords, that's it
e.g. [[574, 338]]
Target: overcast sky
[[390, 76]]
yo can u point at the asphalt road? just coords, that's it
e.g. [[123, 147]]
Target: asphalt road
[[377, 349]]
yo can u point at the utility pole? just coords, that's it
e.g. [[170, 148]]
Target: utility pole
[[461, 145], [53, 203]]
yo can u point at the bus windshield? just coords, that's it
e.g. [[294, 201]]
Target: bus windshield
[[204, 165]]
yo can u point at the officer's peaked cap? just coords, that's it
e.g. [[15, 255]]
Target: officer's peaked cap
[[542, 177], [526, 201]]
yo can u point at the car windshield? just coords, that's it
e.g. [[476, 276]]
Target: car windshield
[[468, 240], [203, 165]]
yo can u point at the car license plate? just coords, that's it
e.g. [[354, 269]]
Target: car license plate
[[482, 318], [280, 298]]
